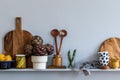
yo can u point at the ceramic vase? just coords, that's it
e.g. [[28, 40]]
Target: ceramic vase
[[39, 62], [103, 58]]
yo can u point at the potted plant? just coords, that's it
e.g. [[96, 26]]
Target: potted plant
[[39, 52], [71, 58], [40, 55]]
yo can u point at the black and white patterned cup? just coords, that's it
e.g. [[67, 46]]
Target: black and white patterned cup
[[103, 58]]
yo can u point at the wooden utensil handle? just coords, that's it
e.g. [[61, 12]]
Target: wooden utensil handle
[[60, 44], [56, 45], [18, 22]]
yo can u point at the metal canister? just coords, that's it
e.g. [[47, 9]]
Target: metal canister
[[57, 60], [20, 61]]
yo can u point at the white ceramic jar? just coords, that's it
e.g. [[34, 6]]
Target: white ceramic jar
[[39, 62], [103, 58]]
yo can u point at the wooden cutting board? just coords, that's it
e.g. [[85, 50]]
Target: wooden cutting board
[[14, 41], [112, 45]]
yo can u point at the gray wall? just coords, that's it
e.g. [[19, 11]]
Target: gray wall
[[88, 22], [58, 76]]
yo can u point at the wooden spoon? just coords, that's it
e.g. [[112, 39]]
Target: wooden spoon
[[62, 34], [55, 33]]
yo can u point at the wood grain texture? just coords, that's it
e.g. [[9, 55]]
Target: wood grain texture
[[112, 45], [18, 42], [14, 41]]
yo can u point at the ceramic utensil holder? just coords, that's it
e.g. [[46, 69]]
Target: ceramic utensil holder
[[57, 60]]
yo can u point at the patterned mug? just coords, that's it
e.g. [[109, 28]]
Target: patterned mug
[[103, 58]]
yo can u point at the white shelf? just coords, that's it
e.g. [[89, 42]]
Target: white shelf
[[64, 70], [112, 70], [60, 70]]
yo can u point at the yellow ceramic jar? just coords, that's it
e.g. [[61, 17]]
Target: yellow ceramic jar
[[114, 63]]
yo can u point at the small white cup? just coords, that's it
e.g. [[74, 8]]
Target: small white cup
[[103, 58]]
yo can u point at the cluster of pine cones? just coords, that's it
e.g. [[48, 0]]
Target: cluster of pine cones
[[37, 48]]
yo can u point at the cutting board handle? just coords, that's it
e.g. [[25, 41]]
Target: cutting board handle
[[18, 23]]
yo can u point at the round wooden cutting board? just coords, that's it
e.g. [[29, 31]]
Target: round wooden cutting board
[[112, 45], [15, 40]]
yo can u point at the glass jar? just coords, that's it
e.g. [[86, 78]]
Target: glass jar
[[20, 61]]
